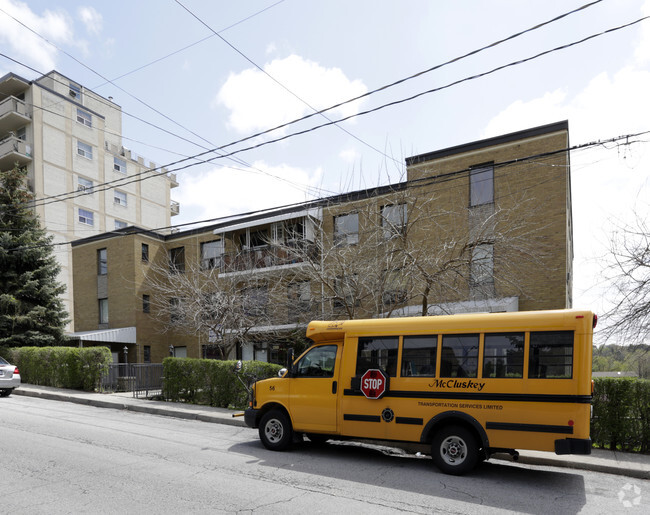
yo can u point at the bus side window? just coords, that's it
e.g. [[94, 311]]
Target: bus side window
[[459, 355], [377, 353], [419, 356], [551, 355], [503, 355]]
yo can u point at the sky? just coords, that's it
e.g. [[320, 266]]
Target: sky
[[273, 61]]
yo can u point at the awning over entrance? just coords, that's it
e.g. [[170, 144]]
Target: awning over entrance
[[120, 335]]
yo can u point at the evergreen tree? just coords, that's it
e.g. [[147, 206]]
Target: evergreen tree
[[31, 310]]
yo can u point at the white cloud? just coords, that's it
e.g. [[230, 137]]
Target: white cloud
[[350, 155], [91, 19], [257, 102], [27, 46], [210, 194]]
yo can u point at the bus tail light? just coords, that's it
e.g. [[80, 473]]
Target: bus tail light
[[592, 387], [595, 320]]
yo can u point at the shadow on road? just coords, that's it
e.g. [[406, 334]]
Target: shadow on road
[[494, 484]]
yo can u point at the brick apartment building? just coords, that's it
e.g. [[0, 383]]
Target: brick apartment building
[[484, 226]]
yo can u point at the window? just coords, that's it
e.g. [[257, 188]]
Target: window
[[84, 150], [318, 362], [102, 262], [377, 353], [175, 312], [419, 356], [75, 92], [481, 185], [211, 254], [482, 264], [459, 355], [551, 355], [147, 353], [85, 217], [119, 198], [255, 301], [119, 224], [346, 291], [393, 220], [84, 118], [145, 252], [177, 260], [146, 304], [85, 185], [103, 311], [346, 229], [503, 355], [21, 134], [298, 300], [395, 288], [119, 165]]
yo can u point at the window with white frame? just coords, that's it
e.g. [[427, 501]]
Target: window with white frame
[[393, 220], [86, 217], [85, 185], [84, 118], [119, 224], [119, 165], [84, 150], [211, 254], [346, 229], [119, 197]]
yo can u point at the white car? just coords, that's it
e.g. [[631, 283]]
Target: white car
[[9, 378]]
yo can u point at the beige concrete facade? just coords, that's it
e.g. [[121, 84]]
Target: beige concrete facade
[[480, 227], [70, 140]]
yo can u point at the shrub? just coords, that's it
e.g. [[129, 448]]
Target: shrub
[[62, 367], [621, 418], [212, 382]]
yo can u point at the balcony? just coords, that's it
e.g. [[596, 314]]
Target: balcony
[[14, 150], [267, 257], [13, 115], [173, 182], [174, 208]]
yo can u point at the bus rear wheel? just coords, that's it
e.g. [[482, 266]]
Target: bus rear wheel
[[454, 450], [275, 430]]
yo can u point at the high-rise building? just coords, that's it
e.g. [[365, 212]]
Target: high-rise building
[[70, 140]]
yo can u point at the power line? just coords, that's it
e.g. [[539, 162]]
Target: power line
[[139, 177], [424, 181], [292, 93]]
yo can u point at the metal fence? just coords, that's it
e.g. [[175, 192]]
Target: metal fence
[[143, 379]]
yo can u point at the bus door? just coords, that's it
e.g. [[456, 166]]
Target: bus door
[[313, 395]]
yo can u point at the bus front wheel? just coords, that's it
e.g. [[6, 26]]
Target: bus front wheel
[[454, 450], [275, 430]]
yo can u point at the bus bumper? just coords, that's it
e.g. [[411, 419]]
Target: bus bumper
[[573, 446], [250, 417]]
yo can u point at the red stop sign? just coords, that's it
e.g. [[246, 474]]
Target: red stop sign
[[373, 383]]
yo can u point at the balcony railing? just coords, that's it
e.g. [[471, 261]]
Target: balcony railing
[[14, 150], [175, 208], [266, 257], [13, 115]]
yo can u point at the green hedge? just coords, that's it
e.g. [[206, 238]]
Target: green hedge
[[61, 367], [212, 382], [621, 418]]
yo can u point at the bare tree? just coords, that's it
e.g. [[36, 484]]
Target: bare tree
[[628, 276], [410, 252], [201, 301]]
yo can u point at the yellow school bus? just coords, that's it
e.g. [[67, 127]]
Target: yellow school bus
[[466, 386]]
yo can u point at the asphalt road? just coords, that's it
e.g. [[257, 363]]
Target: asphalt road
[[58, 457]]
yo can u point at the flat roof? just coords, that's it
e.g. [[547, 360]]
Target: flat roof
[[489, 142]]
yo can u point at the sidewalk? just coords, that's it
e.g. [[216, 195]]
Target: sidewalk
[[609, 462]]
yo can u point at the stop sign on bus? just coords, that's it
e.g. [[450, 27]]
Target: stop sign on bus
[[374, 383]]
